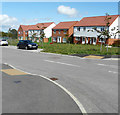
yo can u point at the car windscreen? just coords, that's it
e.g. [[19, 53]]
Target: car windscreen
[[3, 40], [28, 41]]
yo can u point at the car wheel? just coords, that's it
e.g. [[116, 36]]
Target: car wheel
[[26, 48]]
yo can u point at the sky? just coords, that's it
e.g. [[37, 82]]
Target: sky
[[18, 13]]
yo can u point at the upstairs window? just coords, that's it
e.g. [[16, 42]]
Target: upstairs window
[[54, 31], [102, 29], [19, 32], [78, 28], [59, 31], [65, 31], [84, 28]]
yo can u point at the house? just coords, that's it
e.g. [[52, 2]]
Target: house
[[62, 31], [85, 34], [32, 32]]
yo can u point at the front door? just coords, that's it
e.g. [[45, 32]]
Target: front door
[[90, 40], [58, 39], [94, 41]]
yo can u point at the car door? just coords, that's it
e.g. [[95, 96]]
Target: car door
[[20, 44]]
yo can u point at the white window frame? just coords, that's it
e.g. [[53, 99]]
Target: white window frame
[[64, 41], [65, 31], [54, 39], [77, 38]]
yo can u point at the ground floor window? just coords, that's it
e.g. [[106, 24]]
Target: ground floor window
[[64, 40], [101, 40], [94, 39], [54, 39], [83, 39], [77, 38]]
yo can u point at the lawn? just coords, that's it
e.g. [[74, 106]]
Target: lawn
[[69, 49], [79, 49]]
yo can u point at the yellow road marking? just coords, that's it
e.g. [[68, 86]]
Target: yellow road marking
[[94, 57], [13, 72]]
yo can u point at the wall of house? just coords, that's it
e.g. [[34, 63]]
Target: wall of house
[[62, 35], [31, 32], [70, 31], [115, 25], [20, 33], [48, 30], [89, 32]]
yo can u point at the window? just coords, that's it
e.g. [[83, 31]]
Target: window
[[102, 29], [78, 28], [25, 32], [101, 40], [64, 40], [65, 31], [59, 31], [84, 28], [77, 39], [54, 31], [83, 39], [18, 32], [54, 39]]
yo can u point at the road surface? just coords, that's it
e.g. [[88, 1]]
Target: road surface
[[94, 82]]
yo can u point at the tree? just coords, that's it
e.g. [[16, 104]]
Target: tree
[[12, 33], [33, 35], [42, 34]]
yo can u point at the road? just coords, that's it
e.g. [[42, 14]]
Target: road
[[26, 93], [94, 82]]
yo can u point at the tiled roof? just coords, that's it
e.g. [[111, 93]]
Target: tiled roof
[[95, 21], [65, 25], [35, 27]]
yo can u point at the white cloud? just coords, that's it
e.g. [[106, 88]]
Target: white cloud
[[8, 22], [66, 10]]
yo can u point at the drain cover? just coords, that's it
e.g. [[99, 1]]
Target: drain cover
[[53, 78], [17, 81]]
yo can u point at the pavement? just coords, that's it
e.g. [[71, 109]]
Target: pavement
[[94, 82], [26, 93]]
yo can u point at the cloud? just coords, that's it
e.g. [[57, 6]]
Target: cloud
[[7, 22], [66, 10]]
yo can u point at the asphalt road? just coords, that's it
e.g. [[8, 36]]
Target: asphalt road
[[94, 82], [33, 94]]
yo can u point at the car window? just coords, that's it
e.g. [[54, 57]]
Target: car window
[[21, 41]]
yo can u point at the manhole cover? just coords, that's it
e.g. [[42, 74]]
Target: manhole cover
[[53, 78], [17, 81]]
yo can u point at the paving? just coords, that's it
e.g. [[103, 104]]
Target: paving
[[25, 93]]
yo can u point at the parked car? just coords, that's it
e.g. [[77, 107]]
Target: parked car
[[3, 42], [26, 44]]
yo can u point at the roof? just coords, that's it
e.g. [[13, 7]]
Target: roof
[[65, 25], [35, 27], [95, 21]]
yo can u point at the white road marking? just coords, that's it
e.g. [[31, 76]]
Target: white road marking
[[63, 88], [102, 64], [113, 72], [112, 66], [112, 59], [61, 63]]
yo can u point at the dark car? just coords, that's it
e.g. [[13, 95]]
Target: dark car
[[27, 44]]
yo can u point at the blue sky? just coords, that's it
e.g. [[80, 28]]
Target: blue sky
[[16, 13]]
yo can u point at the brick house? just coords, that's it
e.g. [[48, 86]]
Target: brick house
[[62, 31], [85, 34], [32, 32]]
